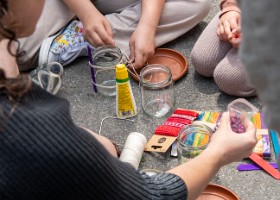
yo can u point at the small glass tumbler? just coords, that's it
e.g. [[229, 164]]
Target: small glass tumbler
[[104, 61], [157, 92], [192, 140]]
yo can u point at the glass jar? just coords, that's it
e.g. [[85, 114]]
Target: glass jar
[[157, 92], [104, 61], [192, 140]]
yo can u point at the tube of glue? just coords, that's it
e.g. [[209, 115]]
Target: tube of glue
[[125, 102]]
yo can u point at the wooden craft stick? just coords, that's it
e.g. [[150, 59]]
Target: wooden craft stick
[[266, 166]]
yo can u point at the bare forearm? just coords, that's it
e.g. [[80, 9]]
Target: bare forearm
[[82, 8], [198, 172], [151, 13]]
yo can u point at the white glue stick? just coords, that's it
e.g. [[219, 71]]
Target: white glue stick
[[133, 149]]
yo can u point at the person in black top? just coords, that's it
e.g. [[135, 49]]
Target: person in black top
[[45, 155]]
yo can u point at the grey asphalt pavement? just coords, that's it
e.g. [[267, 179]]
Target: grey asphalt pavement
[[192, 92]]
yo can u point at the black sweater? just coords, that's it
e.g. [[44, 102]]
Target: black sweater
[[44, 155]]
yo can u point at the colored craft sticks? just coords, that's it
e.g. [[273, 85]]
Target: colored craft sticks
[[252, 166], [266, 166], [263, 146]]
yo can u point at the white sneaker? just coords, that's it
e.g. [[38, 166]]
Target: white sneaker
[[65, 46]]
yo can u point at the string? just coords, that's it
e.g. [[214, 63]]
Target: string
[[99, 132], [128, 63], [134, 146], [133, 149]]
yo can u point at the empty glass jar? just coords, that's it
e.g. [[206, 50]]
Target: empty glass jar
[[157, 92]]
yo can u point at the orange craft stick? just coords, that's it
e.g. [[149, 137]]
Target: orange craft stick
[[266, 166]]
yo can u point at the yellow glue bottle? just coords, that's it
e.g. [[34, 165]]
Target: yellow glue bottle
[[125, 102]]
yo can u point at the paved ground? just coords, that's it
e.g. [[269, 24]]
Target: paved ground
[[192, 92]]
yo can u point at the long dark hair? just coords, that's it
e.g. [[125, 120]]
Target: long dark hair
[[14, 89]]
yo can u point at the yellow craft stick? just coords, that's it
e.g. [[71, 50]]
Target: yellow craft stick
[[256, 119], [215, 116], [200, 139], [205, 116]]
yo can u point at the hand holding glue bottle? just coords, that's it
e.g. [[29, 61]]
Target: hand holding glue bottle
[[125, 102]]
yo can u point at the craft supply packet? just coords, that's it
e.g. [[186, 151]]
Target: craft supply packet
[[168, 131]]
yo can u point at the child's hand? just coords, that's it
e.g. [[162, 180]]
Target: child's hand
[[235, 37], [142, 45], [228, 22], [97, 30]]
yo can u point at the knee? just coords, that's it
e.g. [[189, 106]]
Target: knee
[[200, 63], [234, 84], [196, 61]]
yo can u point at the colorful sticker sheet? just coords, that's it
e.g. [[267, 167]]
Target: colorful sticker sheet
[[263, 146]]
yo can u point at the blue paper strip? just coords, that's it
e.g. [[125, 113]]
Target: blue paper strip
[[275, 142]]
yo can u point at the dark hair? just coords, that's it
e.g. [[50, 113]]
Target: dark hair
[[14, 88], [4, 4]]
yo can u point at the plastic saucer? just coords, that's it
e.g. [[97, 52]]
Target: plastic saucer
[[217, 192], [175, 61]]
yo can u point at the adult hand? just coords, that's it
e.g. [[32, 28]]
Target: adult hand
[[229, 146], [142, 45], [97, 30], [228, 22]]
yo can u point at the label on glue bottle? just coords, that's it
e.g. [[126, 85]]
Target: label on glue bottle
[[125, 102]]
